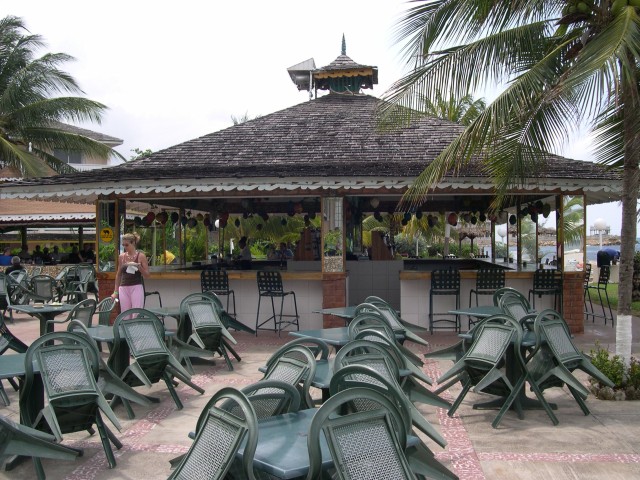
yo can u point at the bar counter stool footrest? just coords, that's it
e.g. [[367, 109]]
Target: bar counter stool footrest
[[444, 282], [270, 285]]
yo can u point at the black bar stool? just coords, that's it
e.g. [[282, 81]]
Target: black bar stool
[[488, 281], [217, 281], [270, 285], [601, 286], [444, 282], [547, 282]]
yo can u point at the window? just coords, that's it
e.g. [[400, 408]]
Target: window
[[68, 156]]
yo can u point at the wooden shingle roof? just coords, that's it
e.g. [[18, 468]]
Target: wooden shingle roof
[[334, 136]]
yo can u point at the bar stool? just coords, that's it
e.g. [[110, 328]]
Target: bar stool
[[601, 286], [270, 285], [217, 281], [444, 282], [547, 282], [488, 281]]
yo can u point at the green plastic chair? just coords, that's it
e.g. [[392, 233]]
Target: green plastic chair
[[268, 398], [295, 365], [9, 341], [363, 444], [218, 437], [481, 366], [360, 375], [74, 399], [43, 288], [517, 305], [382, 303], [373, 321], [207, 330], [83, 312], [556, 357], [152, 360], [227, 320], [16, 439], [108, 382], [384, 309]]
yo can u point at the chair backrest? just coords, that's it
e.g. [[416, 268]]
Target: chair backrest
[[214, 280], [68, 364], [445, 280], [383, 310], [365, 444], [495, 335], [104, 309], [547, 279], [353, 376], [17, 277], [268, 398], [83, 311], [143, 332], [318, 347], [587, 274], [44, 287], [549, 326], [294, 365], [219, 436], [201, 310], [371, 354], [489, 279], [605, 274], [515, 304], [3, 286], [368, 321], [507, 290], [269, 281]]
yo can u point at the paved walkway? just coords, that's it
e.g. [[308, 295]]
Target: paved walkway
[[602, 445]]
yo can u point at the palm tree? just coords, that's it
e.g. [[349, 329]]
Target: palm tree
[[32, 106], [462, 110], [564, 64]]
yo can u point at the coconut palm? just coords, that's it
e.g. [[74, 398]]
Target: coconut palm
[[32, 106], [564, 63], [461, 110]]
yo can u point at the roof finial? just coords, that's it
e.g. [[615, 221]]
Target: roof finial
[[344, 45]]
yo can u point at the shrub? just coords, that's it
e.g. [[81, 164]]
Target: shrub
[[626, 380]]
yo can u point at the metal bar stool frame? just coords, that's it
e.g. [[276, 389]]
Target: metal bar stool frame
[[270, 285], [217, 281], [600, 286], [547, 281], [488, 281], [444, 282]]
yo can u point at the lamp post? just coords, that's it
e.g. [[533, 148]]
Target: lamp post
[[600, 227]]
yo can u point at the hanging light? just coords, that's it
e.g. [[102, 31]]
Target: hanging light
[[374, 202]]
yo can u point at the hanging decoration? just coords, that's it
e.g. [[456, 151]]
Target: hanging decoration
[[162, 217], [237, 222], [452, 219], [175, 217]]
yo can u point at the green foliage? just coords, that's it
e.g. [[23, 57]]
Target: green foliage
[[633, 374], [611, 366], [35, 95]]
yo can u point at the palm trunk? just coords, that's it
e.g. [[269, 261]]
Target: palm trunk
[[629, 211]]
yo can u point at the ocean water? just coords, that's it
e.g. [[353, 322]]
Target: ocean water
[[592, 250]]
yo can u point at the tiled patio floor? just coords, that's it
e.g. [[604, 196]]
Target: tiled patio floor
[[602, 445]]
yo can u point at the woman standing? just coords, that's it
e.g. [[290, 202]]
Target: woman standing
[[132, 266]]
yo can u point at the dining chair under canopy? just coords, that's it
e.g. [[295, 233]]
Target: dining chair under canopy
[[43, 288], [83, 312], [219, 435], [362, 444], [556, 357], [152, 361], [207, 330], [295, 365], [17, 439], [69, 369], [8, 341], [483, 365], [359, 375]]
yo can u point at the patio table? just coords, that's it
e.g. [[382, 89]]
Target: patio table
[[46, 312], [282, 445]]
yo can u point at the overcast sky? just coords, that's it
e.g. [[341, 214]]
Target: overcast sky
[[172, 71]]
